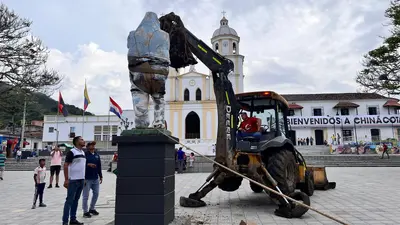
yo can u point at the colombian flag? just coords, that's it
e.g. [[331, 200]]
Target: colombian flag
[[86, 101]]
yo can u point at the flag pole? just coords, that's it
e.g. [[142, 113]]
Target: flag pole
[[83, 114], [109, 128], [58, 113]]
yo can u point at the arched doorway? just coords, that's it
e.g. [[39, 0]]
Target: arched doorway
[[192, 126]]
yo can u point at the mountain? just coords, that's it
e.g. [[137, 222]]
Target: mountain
[[38, 105]]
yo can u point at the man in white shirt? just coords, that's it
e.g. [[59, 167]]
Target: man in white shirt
[[19, 154], [74, 174]]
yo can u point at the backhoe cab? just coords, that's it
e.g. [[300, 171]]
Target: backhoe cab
[[271, 111]]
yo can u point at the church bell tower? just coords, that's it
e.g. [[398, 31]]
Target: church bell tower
[[226, 41]]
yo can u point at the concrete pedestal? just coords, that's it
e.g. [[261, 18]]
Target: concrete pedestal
[[145, 191]]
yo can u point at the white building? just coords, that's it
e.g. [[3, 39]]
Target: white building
[[354, 116]]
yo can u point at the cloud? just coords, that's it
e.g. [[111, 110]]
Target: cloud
[[304, 46]]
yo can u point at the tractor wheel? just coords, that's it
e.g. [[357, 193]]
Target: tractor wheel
[[282, 167], [256, 188], [308, 186]]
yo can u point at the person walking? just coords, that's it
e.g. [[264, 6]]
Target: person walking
[[181, 159], [2, 164], [191, 159], [93, 179], [40, 182], [74, 174], [55, 166], [385, 150]]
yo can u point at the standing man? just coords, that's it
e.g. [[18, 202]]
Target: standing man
[[55, 166], [2, 163], [93, 179], [181, 160], [74, 174]]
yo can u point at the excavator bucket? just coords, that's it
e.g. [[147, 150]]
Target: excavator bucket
[[320, 179]]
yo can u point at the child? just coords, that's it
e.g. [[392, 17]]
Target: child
[[39, 178], [191, 159], [2, 165]]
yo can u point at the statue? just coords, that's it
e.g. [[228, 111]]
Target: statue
[[148, 63]]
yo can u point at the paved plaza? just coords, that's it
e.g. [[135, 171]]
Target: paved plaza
[[362, 196]]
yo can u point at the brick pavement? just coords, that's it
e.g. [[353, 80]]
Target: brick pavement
[[362, 196]]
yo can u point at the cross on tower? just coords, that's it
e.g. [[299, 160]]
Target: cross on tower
[[223, 13]]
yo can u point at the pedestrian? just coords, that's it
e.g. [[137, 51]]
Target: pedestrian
[[2, 164], [19, 155], [40, 182], [93, 179], [385, 150], [191, 159], [55, 166], [181, 158], [308, 141], [311, 140], [74, 174]]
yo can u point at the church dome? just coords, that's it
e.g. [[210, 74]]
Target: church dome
[[224, 29]]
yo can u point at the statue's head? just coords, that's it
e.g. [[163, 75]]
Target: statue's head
[[150, 19]]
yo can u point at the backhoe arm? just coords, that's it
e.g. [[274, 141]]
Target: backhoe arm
[[221, 67]]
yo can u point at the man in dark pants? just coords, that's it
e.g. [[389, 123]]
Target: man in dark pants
[[181, 160], [385, 150], [74, 174], [93, 179]]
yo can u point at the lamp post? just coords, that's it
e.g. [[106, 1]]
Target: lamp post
[[125, 122]]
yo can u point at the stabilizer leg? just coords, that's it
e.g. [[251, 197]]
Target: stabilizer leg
[[194, 199]]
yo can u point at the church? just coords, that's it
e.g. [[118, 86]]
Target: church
[[191, 111]]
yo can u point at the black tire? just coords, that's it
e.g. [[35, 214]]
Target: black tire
[[256, 188], [282, 167], [308, 186]]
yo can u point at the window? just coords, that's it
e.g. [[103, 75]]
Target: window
[[106, 129], [317, 112], [291, 112], [198, 94], [72, 129], [114, 130], [51, 129], [344, 112], [234, 47], [347, 135], [106, 137], [375, 135], [97, 137], [216, 47], [372, 111], [186, 95]]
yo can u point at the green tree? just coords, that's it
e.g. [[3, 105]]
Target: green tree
[[382, 65], [22, 57]]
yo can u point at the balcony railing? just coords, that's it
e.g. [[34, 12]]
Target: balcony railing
[[199, 141]]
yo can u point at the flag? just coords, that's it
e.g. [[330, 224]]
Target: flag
[[115, 108], [61, 106], [86, 102]]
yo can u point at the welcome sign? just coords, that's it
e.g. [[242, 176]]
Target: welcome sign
[[330, 121]]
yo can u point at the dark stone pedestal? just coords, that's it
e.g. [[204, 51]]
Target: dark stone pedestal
[[145, 192]]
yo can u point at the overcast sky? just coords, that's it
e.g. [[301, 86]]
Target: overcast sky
[[297, 46]]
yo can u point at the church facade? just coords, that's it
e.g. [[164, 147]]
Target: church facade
[[191, 111]]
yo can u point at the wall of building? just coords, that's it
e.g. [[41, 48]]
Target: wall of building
[[358, 123]]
